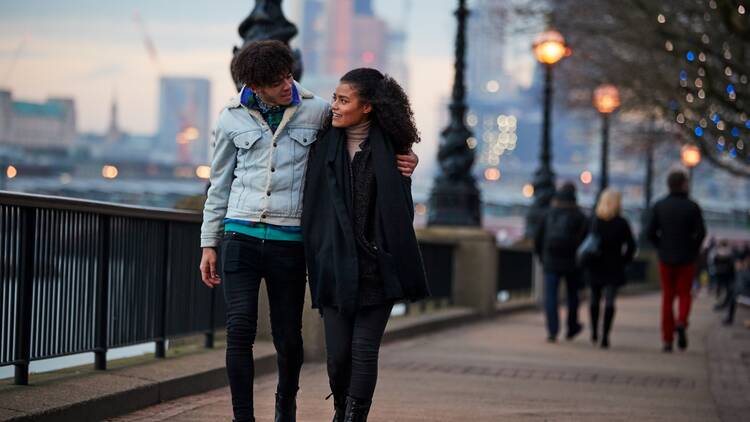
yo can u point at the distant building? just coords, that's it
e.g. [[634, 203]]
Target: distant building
[[340, 35], [37, 126], [311, 29], [184, 130], [492, 95]]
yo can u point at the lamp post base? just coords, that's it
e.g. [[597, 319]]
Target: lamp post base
[[454, 204]]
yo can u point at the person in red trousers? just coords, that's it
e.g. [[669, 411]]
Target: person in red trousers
[[676, 229]]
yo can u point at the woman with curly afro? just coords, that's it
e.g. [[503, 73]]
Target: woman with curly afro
[[362, 252]]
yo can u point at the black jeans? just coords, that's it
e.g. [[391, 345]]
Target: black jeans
[[352, 346], [244, 261], [610, 294]]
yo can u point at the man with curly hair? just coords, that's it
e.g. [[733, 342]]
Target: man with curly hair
[[253, 211]]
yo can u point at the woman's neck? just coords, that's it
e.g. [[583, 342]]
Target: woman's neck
[[355, 135]]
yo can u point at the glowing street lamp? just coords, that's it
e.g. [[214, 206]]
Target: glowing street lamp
[[549, 48], [606, 101], [690, 156]]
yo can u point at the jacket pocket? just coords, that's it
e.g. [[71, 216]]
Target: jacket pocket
[[246, 140], [303, 136]]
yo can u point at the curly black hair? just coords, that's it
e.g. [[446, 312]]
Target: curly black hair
[[262, 63], [390, 104]]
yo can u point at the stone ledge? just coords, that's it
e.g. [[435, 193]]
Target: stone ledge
[[89, 395]]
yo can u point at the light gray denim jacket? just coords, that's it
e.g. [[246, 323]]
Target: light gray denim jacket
[[258, 175]]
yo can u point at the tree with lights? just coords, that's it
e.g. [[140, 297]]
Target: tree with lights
[[680, 62]]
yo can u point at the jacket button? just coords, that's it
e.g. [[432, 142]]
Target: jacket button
[[263, 215], [274, 144], [375, 248], [273, 169], [268, 193], [247, 143]]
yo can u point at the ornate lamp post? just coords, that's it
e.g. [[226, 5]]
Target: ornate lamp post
[[454, 200], [549, 48], [690, 156], [267, 22], [606, 100]]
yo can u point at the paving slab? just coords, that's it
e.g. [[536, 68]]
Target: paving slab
[[504, 370]]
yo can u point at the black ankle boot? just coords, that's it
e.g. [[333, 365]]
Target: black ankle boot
[[682, 341], [609, 316], [286, 408], [594, 311], [356, 410], [339, 407]]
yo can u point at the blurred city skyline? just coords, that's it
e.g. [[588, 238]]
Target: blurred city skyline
[[110, 59], [94, 51]]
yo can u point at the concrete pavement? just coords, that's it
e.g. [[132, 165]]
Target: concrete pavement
[[504, 370]]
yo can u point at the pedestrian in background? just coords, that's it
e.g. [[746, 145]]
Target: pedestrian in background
[[723, 263], [557, 239], [739, 285], [606, 272], [677, 230]]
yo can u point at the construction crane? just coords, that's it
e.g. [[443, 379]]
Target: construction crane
[[16, 57], [148, 42]]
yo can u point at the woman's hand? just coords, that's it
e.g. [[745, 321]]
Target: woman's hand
[[209, 274], [407, 163]]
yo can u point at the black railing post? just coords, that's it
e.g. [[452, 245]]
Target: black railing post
[[24, 296], [161, 328], [209, 340], [102, 295]]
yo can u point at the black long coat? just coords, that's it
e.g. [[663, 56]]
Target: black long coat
[[330, 247], [617, 251]]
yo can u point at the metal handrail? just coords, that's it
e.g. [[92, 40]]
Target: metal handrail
[[99, 207]]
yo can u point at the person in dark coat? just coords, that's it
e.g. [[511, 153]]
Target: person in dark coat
[[676, 229], [362, 252], [558, 236], [723, 260], [606, 272]]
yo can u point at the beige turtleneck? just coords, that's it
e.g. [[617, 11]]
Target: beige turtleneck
[[355, 135]]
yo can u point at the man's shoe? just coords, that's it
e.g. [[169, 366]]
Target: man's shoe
[[605, 343], [682, 341], [574, 332], [667, 348], [286, 408]]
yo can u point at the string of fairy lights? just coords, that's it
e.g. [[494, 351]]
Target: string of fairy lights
[[713, 82]]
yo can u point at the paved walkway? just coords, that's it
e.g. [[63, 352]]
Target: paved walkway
[[504, 370]]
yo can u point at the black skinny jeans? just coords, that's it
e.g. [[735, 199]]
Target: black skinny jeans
[[245, 260], [352, 346], [610, 294]]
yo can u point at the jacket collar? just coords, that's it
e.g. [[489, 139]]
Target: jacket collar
[[236, 101]]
